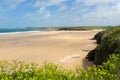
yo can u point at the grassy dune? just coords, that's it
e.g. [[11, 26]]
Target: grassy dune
[[106, 57]]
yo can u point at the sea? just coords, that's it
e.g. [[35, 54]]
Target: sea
[[19, 31]]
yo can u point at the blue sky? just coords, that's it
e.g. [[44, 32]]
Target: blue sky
[[43, 13]]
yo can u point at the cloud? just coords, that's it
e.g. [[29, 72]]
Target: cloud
[[104, 11], [78, 1], [81, 12], [99, 2], [7, 5], [41, 3], [64, 12], [103, 15], [41, 13]]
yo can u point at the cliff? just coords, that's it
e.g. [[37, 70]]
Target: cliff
[[109, 43]]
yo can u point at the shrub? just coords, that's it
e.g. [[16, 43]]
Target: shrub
[[17, 70]]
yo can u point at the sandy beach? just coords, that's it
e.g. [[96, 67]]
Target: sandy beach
[[65, 48]]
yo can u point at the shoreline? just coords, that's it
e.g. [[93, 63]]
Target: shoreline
[[35, 31], [65, 48], [24, 32]]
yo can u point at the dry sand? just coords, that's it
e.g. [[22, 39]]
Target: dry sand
[[65, 48]]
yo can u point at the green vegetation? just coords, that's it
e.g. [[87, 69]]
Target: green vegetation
[[109, 42], [82, 28], [17, 70], [106, 57], [70, 28]]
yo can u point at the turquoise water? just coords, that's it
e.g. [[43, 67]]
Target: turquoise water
[[15, 30], [11, 31]]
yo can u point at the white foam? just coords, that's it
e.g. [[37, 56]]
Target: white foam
[[24, 32]]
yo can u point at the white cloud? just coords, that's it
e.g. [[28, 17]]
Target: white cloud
[[62, 8], [78, 1], [47, 15], [41, 13], [103, 15], [41, 3], [93, 2], [81, 12], [105, 12], [7, 5], [41, 10]]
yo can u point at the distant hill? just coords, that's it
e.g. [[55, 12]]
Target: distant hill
[[83, 28]]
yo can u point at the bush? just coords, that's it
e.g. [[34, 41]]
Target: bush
[[17, 70]]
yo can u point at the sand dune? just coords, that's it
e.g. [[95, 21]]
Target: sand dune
[[65, 48]]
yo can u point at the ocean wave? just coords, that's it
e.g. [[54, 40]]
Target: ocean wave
[[21, 32]]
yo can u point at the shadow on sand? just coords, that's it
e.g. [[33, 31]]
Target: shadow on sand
[[86, 63]]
